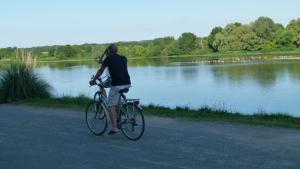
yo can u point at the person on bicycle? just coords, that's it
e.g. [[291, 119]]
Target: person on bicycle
[[120, 79]]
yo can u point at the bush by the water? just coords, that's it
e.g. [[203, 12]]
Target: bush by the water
[[20, 82]]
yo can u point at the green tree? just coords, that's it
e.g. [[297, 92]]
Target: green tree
[[202, 43], [251, 42], [165, 44], [65, 51], [172, 49], [51, 52], [124, 50], [7, 52], [97, 50], [138, 50], [285, 39], [69, 51], [187, 42], [153, 50], [294, 26], [268, 45], [231, 27], [211, 37], [235, 33], [265, 28], [164, 41], [221, 42], [87, 49]]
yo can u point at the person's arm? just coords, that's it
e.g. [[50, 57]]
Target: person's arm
[[98, 74]]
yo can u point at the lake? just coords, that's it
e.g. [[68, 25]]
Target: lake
[[247, 87]]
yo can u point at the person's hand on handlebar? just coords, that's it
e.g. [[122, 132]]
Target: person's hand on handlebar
[[92, 82]]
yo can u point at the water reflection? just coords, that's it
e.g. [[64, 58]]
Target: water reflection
[[170, 73], [144, 62], [189, 73], [62, 65], [293, 70], [264, 74]]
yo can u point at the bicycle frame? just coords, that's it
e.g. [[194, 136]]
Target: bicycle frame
[[129, 113], [122, 101], [103, 99]]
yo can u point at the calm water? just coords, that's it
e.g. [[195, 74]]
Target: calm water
[[254, 86]]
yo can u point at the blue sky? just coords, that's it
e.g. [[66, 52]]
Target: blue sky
[[26, 23]]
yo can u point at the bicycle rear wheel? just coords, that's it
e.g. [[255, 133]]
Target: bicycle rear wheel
[[96, 118], [132, 122]]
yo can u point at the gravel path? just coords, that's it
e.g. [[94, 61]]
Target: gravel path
[[44, 138]]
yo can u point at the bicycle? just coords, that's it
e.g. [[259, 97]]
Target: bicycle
[[130, 116]]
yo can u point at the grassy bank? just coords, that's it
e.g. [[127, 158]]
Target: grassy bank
[[205, 113]]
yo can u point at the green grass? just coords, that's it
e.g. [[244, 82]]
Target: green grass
[[210, 114], [79, 102], [19, 82], [205, 113]]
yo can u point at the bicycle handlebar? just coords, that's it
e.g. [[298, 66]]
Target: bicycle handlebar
[[102, 83]]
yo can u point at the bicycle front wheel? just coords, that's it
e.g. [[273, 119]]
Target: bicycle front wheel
[[96, 118], [132, 122]]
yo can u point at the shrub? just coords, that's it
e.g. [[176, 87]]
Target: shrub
[[20, 82]]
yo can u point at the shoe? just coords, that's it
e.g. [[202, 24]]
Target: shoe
[[112, 132]]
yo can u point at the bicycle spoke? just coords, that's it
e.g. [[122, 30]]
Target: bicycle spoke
[[96, 118], [132, 122]]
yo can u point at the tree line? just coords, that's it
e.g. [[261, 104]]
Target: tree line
[[261, 35]]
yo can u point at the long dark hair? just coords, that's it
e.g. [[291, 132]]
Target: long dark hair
[[110, 50]]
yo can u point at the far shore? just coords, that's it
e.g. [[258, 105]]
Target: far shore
[[291, 55]]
